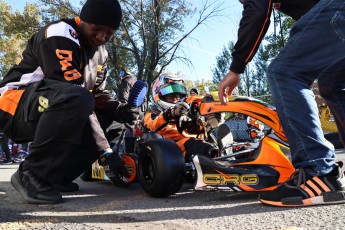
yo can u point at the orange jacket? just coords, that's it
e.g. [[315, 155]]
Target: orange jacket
[[153, 121]]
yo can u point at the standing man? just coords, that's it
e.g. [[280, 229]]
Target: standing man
[[314, 51], [49, 98]]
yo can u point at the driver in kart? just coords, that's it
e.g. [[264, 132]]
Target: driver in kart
[[169, 92]]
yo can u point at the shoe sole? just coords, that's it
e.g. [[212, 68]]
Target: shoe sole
[[326, 198], [17, 185]]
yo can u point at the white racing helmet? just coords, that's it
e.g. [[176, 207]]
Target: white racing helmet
[[167, 84]]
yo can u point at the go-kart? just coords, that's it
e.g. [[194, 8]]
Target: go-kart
[[259, 164], [127, 141], [126, 147]]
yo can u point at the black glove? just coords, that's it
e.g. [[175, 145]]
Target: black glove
[[114, 168], [178, 110], [129, 114]]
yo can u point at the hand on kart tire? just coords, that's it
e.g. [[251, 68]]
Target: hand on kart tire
[[114, 168]]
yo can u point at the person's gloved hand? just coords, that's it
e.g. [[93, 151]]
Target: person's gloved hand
[[178, 110], [129, 114], [114, 168]]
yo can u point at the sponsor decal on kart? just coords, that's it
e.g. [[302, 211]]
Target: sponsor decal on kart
[[224, 179]]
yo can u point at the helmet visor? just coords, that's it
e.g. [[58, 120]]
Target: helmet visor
[[173, 88]]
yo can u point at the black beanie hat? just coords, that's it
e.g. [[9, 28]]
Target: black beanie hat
[[102, 12]]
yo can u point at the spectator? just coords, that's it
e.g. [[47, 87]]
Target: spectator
[[126, 83], [306, 57], [193, 92]]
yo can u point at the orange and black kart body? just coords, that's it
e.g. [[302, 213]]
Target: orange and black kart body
[[254, 167], [261, 170]]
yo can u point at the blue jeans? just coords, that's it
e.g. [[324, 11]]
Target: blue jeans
[[315, 50]]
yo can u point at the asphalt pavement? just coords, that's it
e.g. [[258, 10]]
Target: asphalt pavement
[[102, 205]]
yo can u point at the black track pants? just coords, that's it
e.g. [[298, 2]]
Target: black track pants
[[66, 137]]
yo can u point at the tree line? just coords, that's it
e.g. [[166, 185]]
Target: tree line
[[149, 39], [253, 82]]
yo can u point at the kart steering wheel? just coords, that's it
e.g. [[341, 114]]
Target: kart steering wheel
[[181, 121]]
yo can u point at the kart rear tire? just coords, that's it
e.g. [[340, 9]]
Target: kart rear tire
[[161, 167]]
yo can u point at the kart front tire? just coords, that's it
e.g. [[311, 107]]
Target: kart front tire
[[161, 167]]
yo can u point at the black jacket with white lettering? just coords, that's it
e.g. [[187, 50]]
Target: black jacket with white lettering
[[58, 52], [254, 25]]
